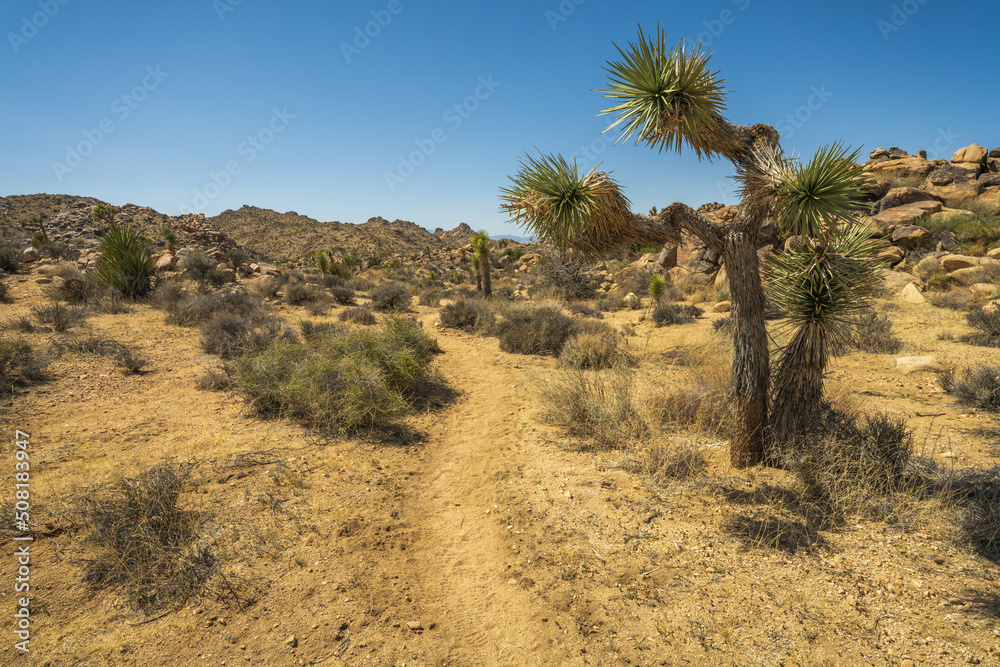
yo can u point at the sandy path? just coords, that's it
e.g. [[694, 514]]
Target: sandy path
[[462, 552]]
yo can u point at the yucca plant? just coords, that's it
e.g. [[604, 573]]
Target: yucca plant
[[657, 287], [670, 98], [170, 236], [822, 285], [481, 247], [126, 265]]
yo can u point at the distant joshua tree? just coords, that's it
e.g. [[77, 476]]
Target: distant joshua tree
[[481, 247], [669, 98]]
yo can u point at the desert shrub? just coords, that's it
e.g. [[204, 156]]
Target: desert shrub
[[566, 280], [230, 334], [664, 462], [352, 379], [978, 386], [927, 267], [58, 316], [602, 409], [957, 298], [298, 293], [198, 265], [430, 298], [309, 328], [216, 379], [238, 257], [987, 325], [855, 465], [872, 332], [514, 253], [584, 310], [10, 259], [536, 330], [361, 284], [595, 351], [126, 266], [4, 291], [473, 315], [265, 287], [330, 281], [698, 402], [56, 250], [20, 364], [670, 313], [126, 357], [610, 304], [977, 493], [723, 325], [75, 289], [391, 296], [343, 295], [359, 315], [193, 309], [144, 544]]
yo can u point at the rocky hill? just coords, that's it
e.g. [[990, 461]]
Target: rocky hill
[[290, 236]]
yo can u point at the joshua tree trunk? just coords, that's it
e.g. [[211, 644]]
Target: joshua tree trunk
[[484, 266], [799, 382]]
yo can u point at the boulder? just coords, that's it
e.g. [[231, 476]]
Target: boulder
[[910, 236], [668, 257], [993, 254], [989, 179], [987, 291], [911, 294], [30, 255], [956, 190], [967, 277], [971, 153], [902, 196], [891, 255], [895, 281], [907, 167], [47, 269], [955, 262], [907, 214], [632, 301], [946, 240], [722, 307], [995, 153], [166, 262], [951, 173], [909, 365]]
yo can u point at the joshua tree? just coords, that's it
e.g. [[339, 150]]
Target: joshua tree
[[170, 236], [103, 213], [475, 270], [481, 247], [669, 98]]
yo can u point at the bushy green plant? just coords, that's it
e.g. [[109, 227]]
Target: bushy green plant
[[198, 265], [536, 330], [359, 315], [230, 335], [125, 266], [978, 387], [391, 296], [10, 259], [872, 332], [469, 314], [670, 313], [987, 325], [192, 309], [353, 379]]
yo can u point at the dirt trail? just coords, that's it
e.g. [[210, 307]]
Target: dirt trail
[[462, 551]]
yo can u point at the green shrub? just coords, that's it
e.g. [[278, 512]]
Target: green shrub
[[594, 351], [19, 364], [10, 259], [987, 325], [230, 335], [193, 309], [298, 293], [352, 379], [536, 330], [126, 266], [872, 332], [238, 257], [343, 295], [359, 315], [430, 298], [610, 304], [668, 313], [391, 296], [198, 265], [474, 315]]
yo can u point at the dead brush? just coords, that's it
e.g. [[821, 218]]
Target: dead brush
[[696, 399], [664, 462], [142, 543], [602, 409]]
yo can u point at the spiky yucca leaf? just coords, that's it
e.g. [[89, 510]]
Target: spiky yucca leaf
[[125, 264], [557, 205], [812, 199], [666, 97], [826, 283]]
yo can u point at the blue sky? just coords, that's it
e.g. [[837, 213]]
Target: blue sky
[[419, 110]]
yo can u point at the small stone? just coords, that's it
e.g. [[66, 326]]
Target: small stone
[[415, 626], [911, 294], [292, 641]]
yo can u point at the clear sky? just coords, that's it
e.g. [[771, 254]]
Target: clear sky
[[419, 110]]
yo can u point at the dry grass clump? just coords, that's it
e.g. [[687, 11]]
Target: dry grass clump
[[978, 387], [20, 364], [585, 310], [603, 409], [193, 309], [977, 493], [595, 350], [610, 304], [342, 294], [10, 259], [59, 317], [299, 293], [956, 298], [666, 314], [391, 296], [987, 325], [4, 291], [872, 332], [126, 357], [664, 462], [469, 314], [350, 380], [536, 330], [359, 315], [232, 334], [143, 543]]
